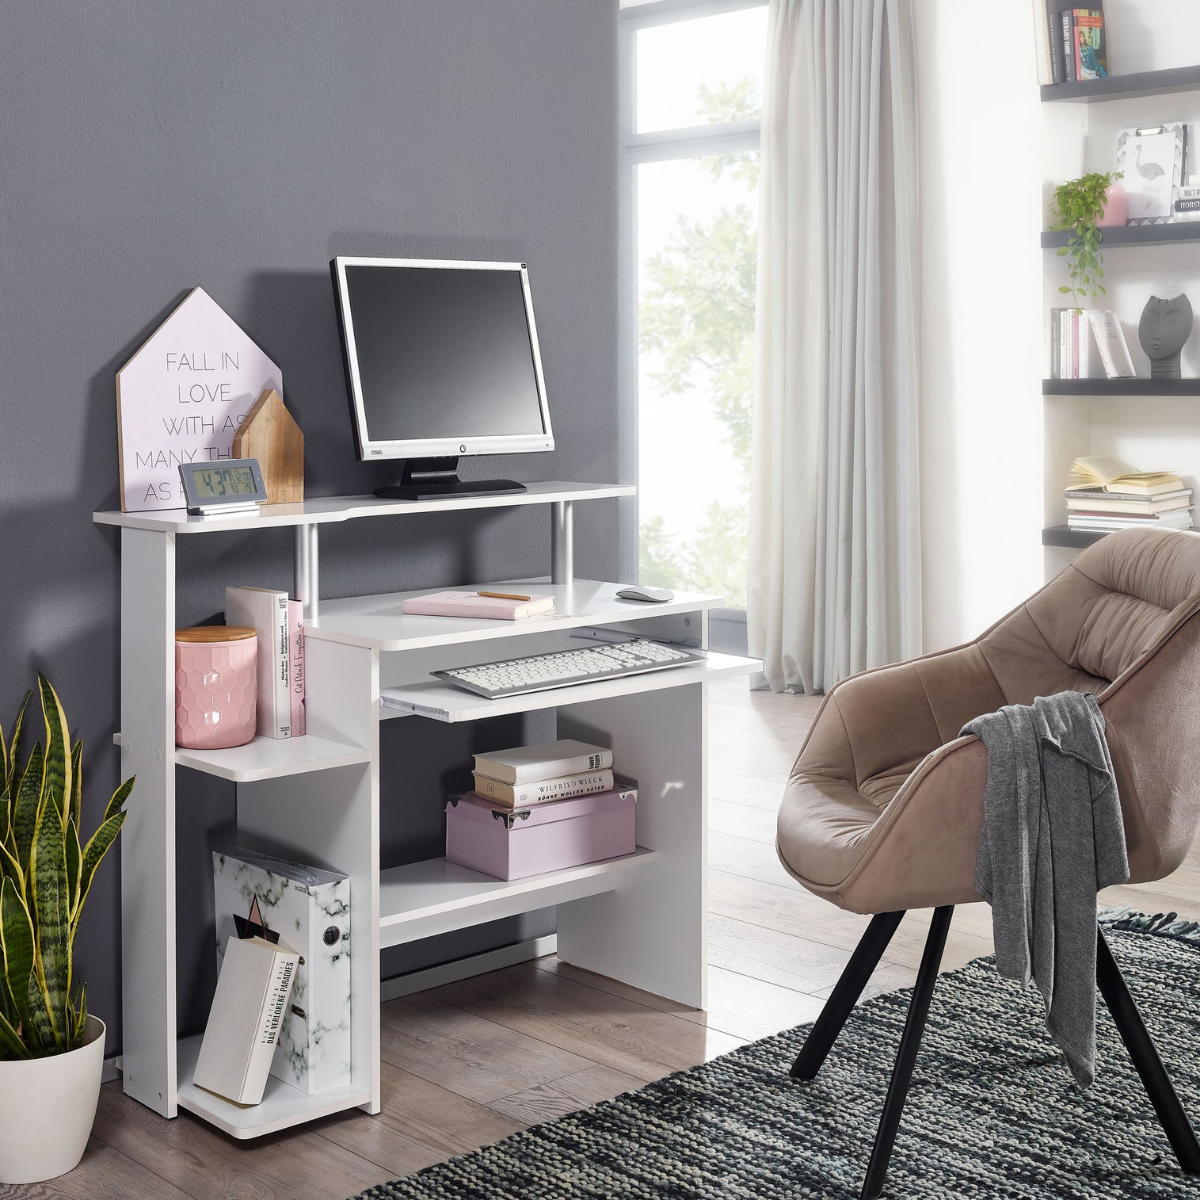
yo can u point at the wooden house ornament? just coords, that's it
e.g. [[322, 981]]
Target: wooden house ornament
[[270, 434]]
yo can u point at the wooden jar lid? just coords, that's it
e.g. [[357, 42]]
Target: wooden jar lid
[[215, 633]]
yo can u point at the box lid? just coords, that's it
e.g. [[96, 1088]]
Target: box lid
[[475, 808]]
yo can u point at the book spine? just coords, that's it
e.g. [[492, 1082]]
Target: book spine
[[521, 795], [1187, 205], [274, 1007], [1055, 356], [1074, 343], [1042, 41], [1083, 326], [1054, 35], [1100, 328], [1064, 348], [296, 666], [281, 662], [1067, 34], [550, 768]]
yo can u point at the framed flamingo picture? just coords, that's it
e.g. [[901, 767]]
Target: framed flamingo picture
[[1152, 159]]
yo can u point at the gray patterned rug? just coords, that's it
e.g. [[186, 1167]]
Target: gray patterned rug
[[991, 1112]]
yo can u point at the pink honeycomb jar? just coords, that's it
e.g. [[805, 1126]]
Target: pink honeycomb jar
[[215, 686]]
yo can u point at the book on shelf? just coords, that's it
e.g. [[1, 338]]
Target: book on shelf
[[526, 764], [1052, 40], [266, 611], [490, 606], [1089, 44], [1041, 40], [247, 1012], [296, 667], [1111, 344], [540, 791], [1107, 473], [258, 894], [1181, 519], [1112, 504], [1070, 344]]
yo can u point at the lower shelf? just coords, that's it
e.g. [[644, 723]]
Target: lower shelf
[[436, 896], [282, 1105]]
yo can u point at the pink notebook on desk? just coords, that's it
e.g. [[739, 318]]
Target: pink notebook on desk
[[472, 604]]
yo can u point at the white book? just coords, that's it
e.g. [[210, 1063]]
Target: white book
[[245, 1019], [1085, 344], [1110, 341], [522, 795], [310, 909], [1041, 33], [266, 611], [525, 764]]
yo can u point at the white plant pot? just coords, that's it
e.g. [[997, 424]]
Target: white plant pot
[[47, 1106]]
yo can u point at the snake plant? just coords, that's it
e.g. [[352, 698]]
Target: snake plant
[[45, 875]]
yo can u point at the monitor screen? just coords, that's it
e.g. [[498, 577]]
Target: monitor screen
[[442, 358]]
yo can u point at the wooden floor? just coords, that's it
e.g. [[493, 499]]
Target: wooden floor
[[467, 1064]]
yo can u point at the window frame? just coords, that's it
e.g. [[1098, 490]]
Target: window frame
[[634, 149]]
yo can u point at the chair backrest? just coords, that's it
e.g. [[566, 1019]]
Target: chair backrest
[[1123, 621]]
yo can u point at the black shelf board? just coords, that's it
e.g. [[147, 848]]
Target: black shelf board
[[1134, 235], [1073, 539], [1126, 87], [1121, 387]]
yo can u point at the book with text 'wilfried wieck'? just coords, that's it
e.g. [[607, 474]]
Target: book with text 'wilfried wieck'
[[524, 764], [266, 611], [522, 795], [247, 1013]]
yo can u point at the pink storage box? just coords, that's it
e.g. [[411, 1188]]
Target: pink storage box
[[508, 844]]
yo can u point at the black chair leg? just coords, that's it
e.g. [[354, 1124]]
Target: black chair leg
[[1145, 1058], [906, 1057], [845, 994]]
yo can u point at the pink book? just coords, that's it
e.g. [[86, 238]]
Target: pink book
[[296, 654], [472, 604]]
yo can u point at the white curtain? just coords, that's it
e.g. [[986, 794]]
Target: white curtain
[[835, 550]]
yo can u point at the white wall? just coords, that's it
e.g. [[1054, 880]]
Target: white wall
[[981, 430], [994, 453]]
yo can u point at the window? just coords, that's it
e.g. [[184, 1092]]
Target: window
[[691, 100]]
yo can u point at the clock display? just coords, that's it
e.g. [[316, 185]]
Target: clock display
[[212, 484]]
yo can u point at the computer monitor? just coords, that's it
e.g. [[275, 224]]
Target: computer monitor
[[441, 361]]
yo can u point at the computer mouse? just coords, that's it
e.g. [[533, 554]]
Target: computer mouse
[[650, 595]]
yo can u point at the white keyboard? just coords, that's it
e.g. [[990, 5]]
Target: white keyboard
[[562, 668]]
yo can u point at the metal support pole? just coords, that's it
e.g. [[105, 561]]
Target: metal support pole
[[562, 542], [307, 571]]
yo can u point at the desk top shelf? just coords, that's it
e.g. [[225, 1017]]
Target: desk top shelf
[[326, 510]]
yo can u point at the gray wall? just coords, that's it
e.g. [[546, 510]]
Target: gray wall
[[148, 148]]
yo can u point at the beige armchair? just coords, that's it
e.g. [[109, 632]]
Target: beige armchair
[[883, 809]]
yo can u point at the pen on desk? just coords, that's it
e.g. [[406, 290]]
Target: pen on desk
[[504, 596]]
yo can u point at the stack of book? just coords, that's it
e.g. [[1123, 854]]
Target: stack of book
[[1187, 200], [1072, 42], [529, 775], [1105, 494], [1078, 339]]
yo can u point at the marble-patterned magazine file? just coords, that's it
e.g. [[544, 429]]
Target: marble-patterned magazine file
[[307, 910]]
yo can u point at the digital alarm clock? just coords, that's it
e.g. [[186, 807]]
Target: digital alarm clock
[[231, 485]]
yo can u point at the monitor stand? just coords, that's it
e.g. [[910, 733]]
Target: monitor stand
[[437, 479]]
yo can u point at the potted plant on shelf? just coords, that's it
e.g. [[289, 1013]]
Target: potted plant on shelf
[[51, 1047], [1078, 209]]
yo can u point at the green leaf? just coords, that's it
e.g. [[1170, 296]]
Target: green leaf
[[25, 811], [57, 782], [1064, 288], [52, 911], [74, 857], [76, 809], [93, 853], [13, 756], [17, 943], [40, 1035], [11, 1045], [119, 797]]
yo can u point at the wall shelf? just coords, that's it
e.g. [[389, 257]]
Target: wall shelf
[[1121, 387], [1176, 234], [1073, 539], [1126, 87]]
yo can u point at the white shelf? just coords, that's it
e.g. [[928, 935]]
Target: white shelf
[[378, 623], [326, 510], [435, 896], [442, 702], [282, 1105], [270, 758]]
